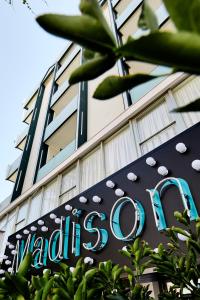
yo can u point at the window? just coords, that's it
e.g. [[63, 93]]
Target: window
[[35, 207], [154, 127], [184, 94], [69, 185], [119, 151], [91, 169], [22, 216], [50, 197]]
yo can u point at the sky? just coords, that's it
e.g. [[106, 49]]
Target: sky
[[26, 52]]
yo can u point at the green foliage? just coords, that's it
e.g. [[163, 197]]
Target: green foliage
[[184, 14], [92, 68], [179, 50], [177, 262], [16, 287], [164, 49], [192, 107], [84, 30], [137, 252], [114, 85], [148, 19], [91, 8], [106, 281]]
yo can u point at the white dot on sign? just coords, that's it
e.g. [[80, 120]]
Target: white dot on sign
[[57, 221], [131, 176], [96, 199], [46, 271], [11, 246], [13, 252], [119, 192], [10, 270], [124, 248], [181, 148], [150, 161], [2, 271], [5, 256], [183, 237], [52, 216], [44, 228], [40, 222], [196, 165], [68, 207], [110, 184], [88, 260], [163, 171], [26, 231], [8, 262], [18, 236], [33, 228], [82, 199], [71, 269]]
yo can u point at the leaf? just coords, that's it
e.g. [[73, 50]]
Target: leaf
[[177, 50], [90, 274], [92, 69], [35, 282], [114, 85], [62, 293], [88, 54], [25, 265], [136, 244], [70, 286], [21, 285], [38, 295], [92, 8], [47, 288], [148, 19], [191, 107], [115, 297], [117, 274], [78, 294], [84, 30], [184, 14]]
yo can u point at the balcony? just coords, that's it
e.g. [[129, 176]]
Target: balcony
[[21, 139], [61, 90], [57, 160], [67, 62], [28, 102], [142, 89], [5, 202], [160, 12], [65, 114], [27, 117], [11, 172], [129, 10], [66, 95]]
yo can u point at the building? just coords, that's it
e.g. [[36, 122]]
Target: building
[[73, 141]]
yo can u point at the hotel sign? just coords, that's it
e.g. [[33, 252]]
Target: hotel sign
[[139, 199]]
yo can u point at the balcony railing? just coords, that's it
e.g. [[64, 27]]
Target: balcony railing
[[61, 118], [57, 160], [21, 136], [59, 92], [11, 169], [5, 202], [68, 61], [28, 112]]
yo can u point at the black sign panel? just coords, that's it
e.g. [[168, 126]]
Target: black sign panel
[[139, 199]]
